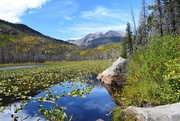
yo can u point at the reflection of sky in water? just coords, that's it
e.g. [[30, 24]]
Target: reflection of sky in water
[[91, 108], [6, 116]]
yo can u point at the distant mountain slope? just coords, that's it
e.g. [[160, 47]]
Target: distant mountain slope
[[20, 43], [105, 41], [96, 39], [10, 28]]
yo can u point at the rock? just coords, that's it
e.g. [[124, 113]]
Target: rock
[[115, 73], [8, 31], [159, 113], [130, 111]]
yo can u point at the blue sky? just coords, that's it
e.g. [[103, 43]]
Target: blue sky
[[70, 19]]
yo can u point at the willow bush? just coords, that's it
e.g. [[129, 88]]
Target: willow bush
[[154, 73]]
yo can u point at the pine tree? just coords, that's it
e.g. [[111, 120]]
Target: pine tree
[[123, 46], [127, 44], [129, 40], [165, 17]]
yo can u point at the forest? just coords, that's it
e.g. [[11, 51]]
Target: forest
[[153, 50]]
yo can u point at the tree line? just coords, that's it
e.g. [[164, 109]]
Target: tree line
[[17, 48], [159, 19], [20, 49]]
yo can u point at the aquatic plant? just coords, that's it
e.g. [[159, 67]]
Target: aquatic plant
[[23, 84]]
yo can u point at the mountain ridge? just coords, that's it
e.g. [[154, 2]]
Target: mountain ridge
[[20, 43], [13, 28], [100, 36]]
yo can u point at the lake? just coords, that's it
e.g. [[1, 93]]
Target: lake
[[94, 104], [20, 67]]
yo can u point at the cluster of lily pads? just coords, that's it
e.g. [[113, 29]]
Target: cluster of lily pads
[[23, 84]]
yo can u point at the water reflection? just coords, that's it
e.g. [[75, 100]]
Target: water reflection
[[114, 91], [94, 106], [91, 108]]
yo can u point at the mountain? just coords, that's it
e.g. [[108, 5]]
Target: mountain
[[20, 43], [99, 38], [10, 28]]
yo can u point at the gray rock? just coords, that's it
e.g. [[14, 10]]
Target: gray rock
[[115, 73], [160, 113]]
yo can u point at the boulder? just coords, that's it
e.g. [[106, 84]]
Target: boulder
[[115, 73], [159, 113]]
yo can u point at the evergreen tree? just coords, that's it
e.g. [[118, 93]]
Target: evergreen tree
[[127, 44], [129, 40], [123, 46], [165, 17]]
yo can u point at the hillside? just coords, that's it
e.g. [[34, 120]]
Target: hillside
[[24, 30], [105, 41], [20, 43], [102, 52]]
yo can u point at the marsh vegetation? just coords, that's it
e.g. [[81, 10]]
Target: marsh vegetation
[[48, 89]]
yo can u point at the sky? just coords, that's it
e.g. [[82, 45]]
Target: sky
[[70, 19]]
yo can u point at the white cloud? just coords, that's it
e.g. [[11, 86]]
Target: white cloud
[[91, 29], [101, 12], [99, 19], [80, 31], [60, 9], [67, 18], [32, 12], [11, 10], [6, 115]]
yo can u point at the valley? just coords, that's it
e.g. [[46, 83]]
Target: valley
[[104, 75], [20, 44]]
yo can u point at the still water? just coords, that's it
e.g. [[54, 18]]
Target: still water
[[20, 67], [94, 106]]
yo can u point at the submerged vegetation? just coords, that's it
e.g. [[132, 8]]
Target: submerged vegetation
[[24, 81]]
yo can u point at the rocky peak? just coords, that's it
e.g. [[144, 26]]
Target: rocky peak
[[87, 40], [92, 36], [112, 33]]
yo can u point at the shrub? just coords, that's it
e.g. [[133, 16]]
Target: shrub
[[154, 73]]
